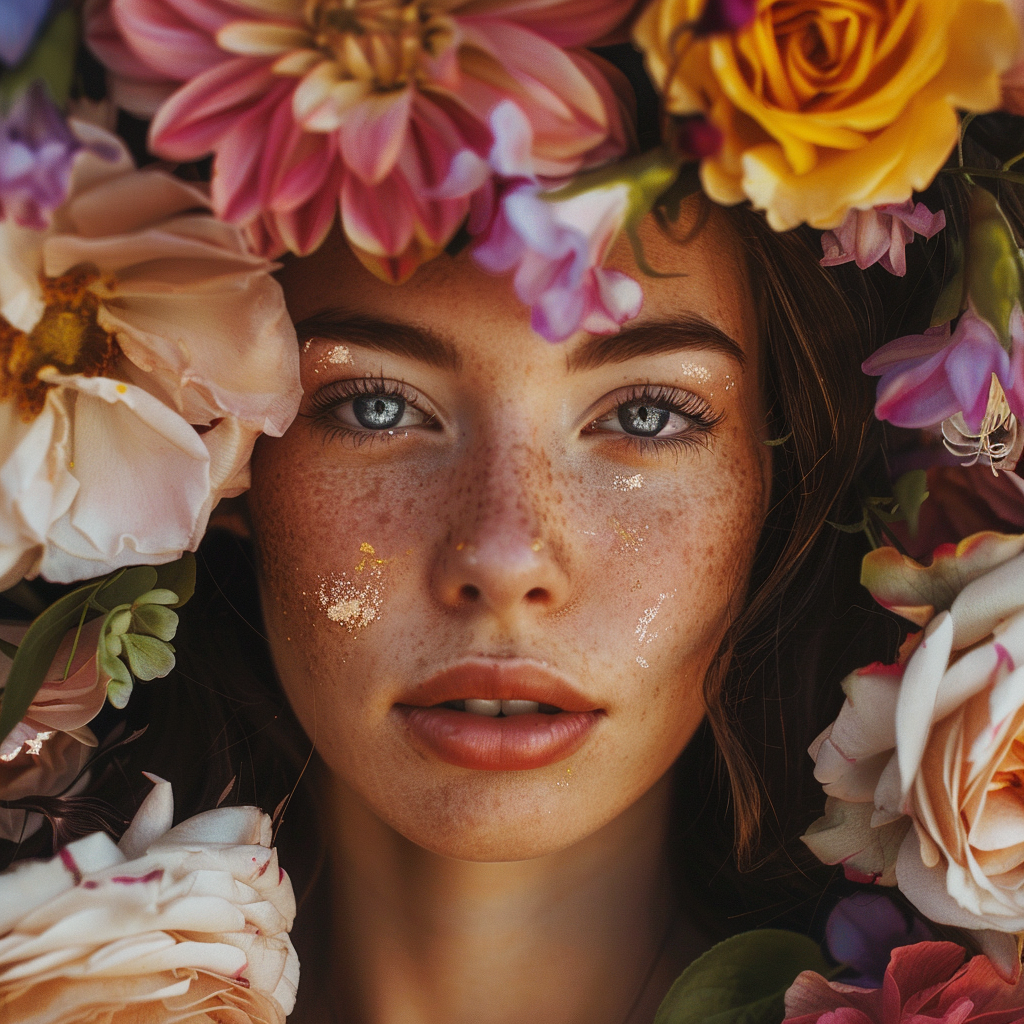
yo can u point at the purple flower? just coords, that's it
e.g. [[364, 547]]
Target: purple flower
[[864, 929], [880, 235], [19, 22], [724, 16], [926, 378], [37, 149], [556, 247]]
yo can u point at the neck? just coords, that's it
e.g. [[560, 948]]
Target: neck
[[588, 934]]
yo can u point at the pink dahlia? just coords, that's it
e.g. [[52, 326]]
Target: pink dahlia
[[365, 106]]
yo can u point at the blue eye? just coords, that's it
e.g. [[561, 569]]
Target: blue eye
[[378, 412], [643, 419]]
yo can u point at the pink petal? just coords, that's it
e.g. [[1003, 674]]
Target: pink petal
[[373, 133], [562, 22], [380, 219], [202, 112]]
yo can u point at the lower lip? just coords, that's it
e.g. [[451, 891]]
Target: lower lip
[[503, 744]]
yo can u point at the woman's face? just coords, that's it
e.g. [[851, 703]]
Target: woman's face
[[464, 512]]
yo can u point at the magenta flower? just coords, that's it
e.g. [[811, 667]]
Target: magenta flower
[[927, 982], [880, 235], [926, 378], [37, 150], [724, 16], [367, 106], [556, 247]]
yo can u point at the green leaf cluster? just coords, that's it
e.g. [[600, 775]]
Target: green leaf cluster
[[742, 980], [51, 61], [137, 605], [909, 493]]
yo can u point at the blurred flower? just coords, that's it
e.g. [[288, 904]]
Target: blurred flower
[[842, 105], [928, 981], [33, 764], [1013, 80], [937, 742], [362, 106], [880, 235], [62, 704], [557, 246], [19, 22], [928, 377], [143, 348], [185, 923], [37, 150], [724, 16]]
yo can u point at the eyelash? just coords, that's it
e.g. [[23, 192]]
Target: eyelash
[[327, 400], [330, 397], [683, 403]]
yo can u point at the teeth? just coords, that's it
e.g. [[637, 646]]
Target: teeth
[[491, 708], [519, 707]]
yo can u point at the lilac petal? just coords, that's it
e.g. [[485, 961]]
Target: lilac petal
[[916, 395], [970, 364], [864, 929], [911, 347], [511, 154], [918, 218], [19, 23], [37, 151]]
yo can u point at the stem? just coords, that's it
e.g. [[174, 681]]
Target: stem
[[891, 537], [964, 122], [986, 172], [1015, 159], [78, 635]]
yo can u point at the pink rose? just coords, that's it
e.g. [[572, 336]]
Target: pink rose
[[924, 762], [186, 923], [927, 983]]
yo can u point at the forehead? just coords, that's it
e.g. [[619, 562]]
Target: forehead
[[703, 267]]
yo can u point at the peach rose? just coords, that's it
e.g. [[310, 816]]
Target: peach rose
[[189, 923], [830, 105], [924, 766]]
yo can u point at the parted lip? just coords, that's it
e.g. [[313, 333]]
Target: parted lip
[[498, 679]]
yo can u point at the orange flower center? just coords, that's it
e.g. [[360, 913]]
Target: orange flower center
[[67, 337], [382, 42]]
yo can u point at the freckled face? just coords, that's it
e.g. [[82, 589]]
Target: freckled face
[[513, 503]]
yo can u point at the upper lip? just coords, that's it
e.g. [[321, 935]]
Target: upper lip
[[498, 679]]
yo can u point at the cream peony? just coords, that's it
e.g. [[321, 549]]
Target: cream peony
[[924, 767], [186, 924], [143, 348]]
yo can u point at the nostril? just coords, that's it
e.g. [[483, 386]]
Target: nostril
[[470, 592], [537, 594]]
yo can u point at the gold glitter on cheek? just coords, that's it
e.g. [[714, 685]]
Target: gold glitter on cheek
[[632, 540], [628, 483], [643, 631], [355, 603]]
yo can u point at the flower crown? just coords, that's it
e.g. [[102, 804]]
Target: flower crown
[[145, 345]]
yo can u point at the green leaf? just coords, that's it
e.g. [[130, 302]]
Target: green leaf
[[148, 657], [8, 648], [950, 302], [911, 491], [119, 690], [155, 620], [742, 980], [125, 586], [51, 60], [179, 577], [36, 652], [158, 596]]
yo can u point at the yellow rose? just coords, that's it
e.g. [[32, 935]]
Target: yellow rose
[[830, 105]]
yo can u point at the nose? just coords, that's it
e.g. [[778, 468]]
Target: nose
[[499, 555]]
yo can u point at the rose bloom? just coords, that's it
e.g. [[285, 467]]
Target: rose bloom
[[189, 923], [928, 981], [144, 348], [831, 106], [936, 742]]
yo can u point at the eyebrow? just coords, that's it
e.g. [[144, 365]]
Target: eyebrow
[[654, 337], [381, 335]]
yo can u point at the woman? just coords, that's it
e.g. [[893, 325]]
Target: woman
[[543, 632]]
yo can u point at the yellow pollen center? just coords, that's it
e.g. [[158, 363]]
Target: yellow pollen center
[[67, 337], [381, 42]]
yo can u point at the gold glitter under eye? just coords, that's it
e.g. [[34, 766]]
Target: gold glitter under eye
[[628, 483]]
